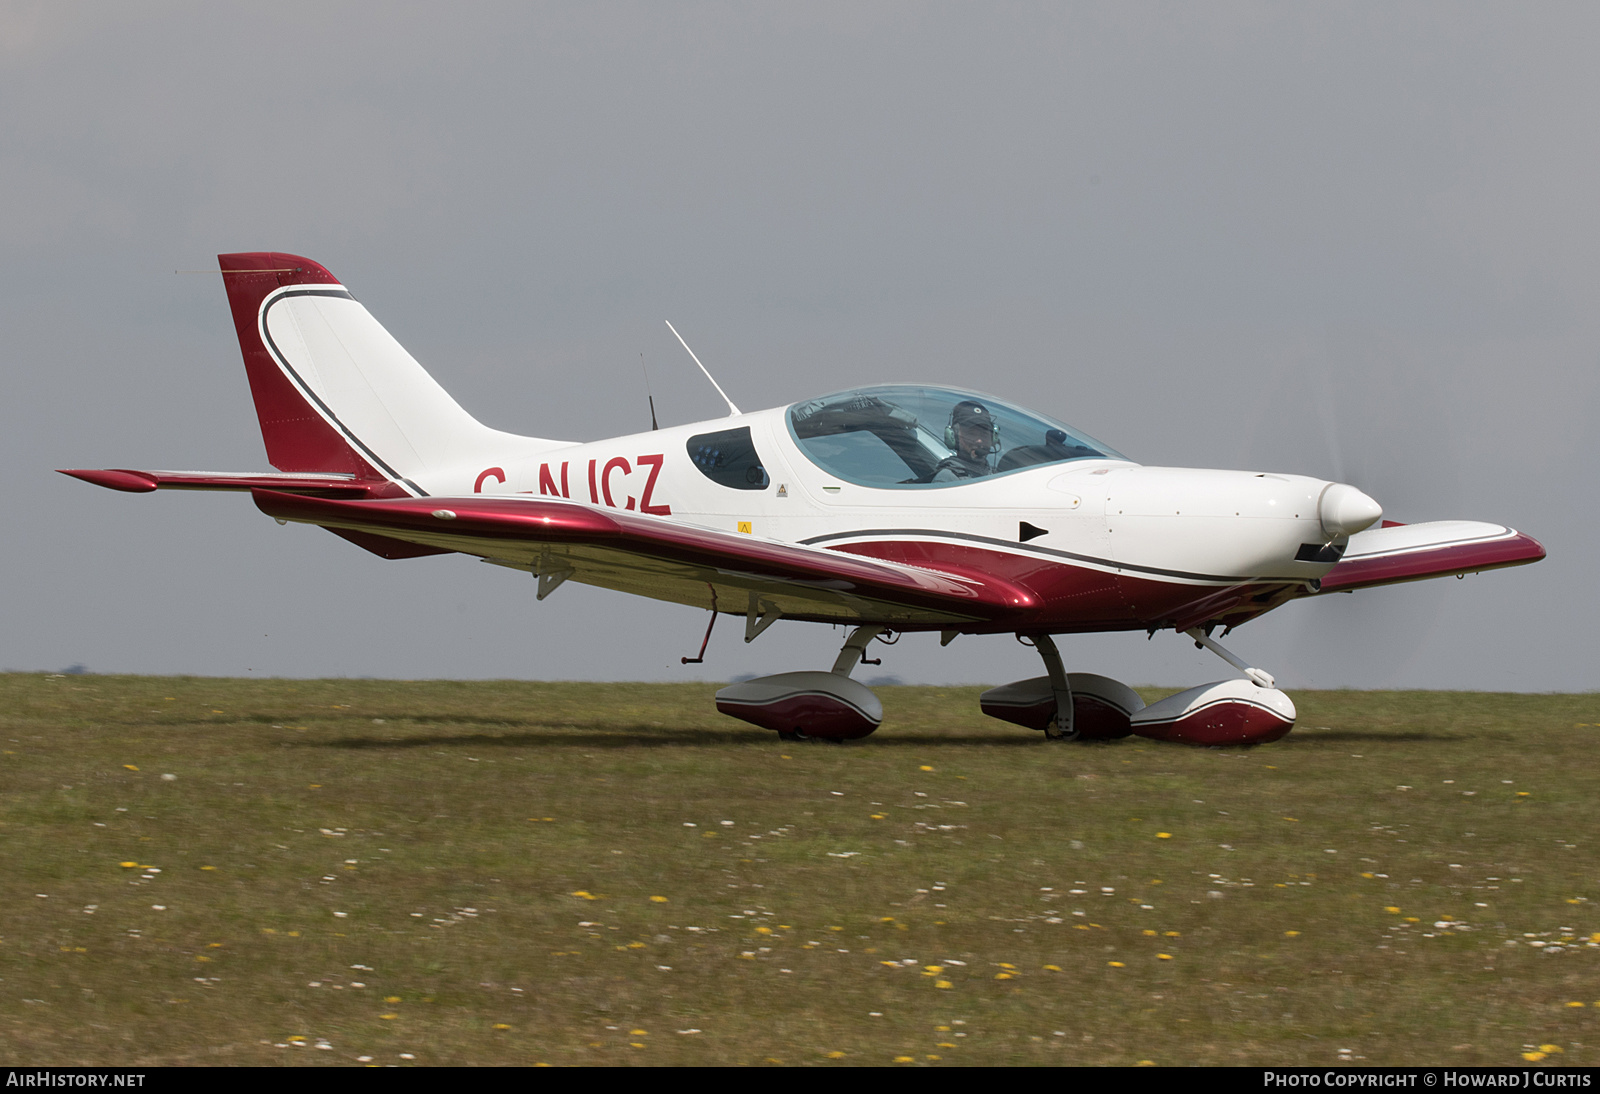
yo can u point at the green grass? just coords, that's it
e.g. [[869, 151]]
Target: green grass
[[427, 840]]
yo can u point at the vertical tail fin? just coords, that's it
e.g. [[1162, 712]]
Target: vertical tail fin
[[335, 392], [298, 438]]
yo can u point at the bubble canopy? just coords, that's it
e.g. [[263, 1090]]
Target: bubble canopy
[[904, 436]]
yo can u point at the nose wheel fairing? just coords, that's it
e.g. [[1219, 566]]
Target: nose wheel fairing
[[1229, 712]]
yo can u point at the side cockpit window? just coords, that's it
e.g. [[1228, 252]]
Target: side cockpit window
[[728, 458]]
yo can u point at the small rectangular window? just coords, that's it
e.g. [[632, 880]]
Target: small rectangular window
[[728, 458]]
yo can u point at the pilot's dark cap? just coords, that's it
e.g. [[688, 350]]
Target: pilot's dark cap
[[968, 412]]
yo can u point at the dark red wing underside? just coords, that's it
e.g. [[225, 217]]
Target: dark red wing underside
[[548, 535]]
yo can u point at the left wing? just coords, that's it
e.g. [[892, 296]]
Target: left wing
[[663, 559]]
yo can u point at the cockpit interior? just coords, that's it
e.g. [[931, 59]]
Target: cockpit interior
[[906, 436]]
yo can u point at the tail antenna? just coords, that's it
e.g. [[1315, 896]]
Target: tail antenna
[[732, 410], [649, 394]]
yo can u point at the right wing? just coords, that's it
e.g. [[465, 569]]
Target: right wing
[[664, 559], [1382, 556], [1414, 552]]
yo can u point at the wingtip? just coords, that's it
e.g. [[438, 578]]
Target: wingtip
[[132, 482]]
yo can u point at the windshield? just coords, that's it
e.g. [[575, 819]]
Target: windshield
[[909, 436]]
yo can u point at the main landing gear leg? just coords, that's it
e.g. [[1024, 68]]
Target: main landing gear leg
[[854, 650], [1063, 727], [1258, 677]]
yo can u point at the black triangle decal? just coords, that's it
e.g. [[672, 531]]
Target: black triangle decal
[[1027, 531]]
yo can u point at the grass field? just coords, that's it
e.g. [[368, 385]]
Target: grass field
[[349, 871]]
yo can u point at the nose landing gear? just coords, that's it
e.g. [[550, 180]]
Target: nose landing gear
[[1229, 712]]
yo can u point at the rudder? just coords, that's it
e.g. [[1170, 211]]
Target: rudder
[[297, 437]]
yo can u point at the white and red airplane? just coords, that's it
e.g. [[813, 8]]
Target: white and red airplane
[[891, 508]]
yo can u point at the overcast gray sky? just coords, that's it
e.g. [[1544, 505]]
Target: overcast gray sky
[[1350, 240]]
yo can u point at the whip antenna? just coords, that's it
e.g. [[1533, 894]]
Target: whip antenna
[[648, 393]]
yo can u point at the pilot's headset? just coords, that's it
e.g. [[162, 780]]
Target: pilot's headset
[[971, 413]]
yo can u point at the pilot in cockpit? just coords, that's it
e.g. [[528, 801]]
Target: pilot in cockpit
[[974, 436]]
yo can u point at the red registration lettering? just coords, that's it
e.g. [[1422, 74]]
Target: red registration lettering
[[654, 463], [498, 474], [605, 479]]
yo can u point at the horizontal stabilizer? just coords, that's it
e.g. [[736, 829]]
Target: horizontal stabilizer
[[1414, 552], [142, 482]]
